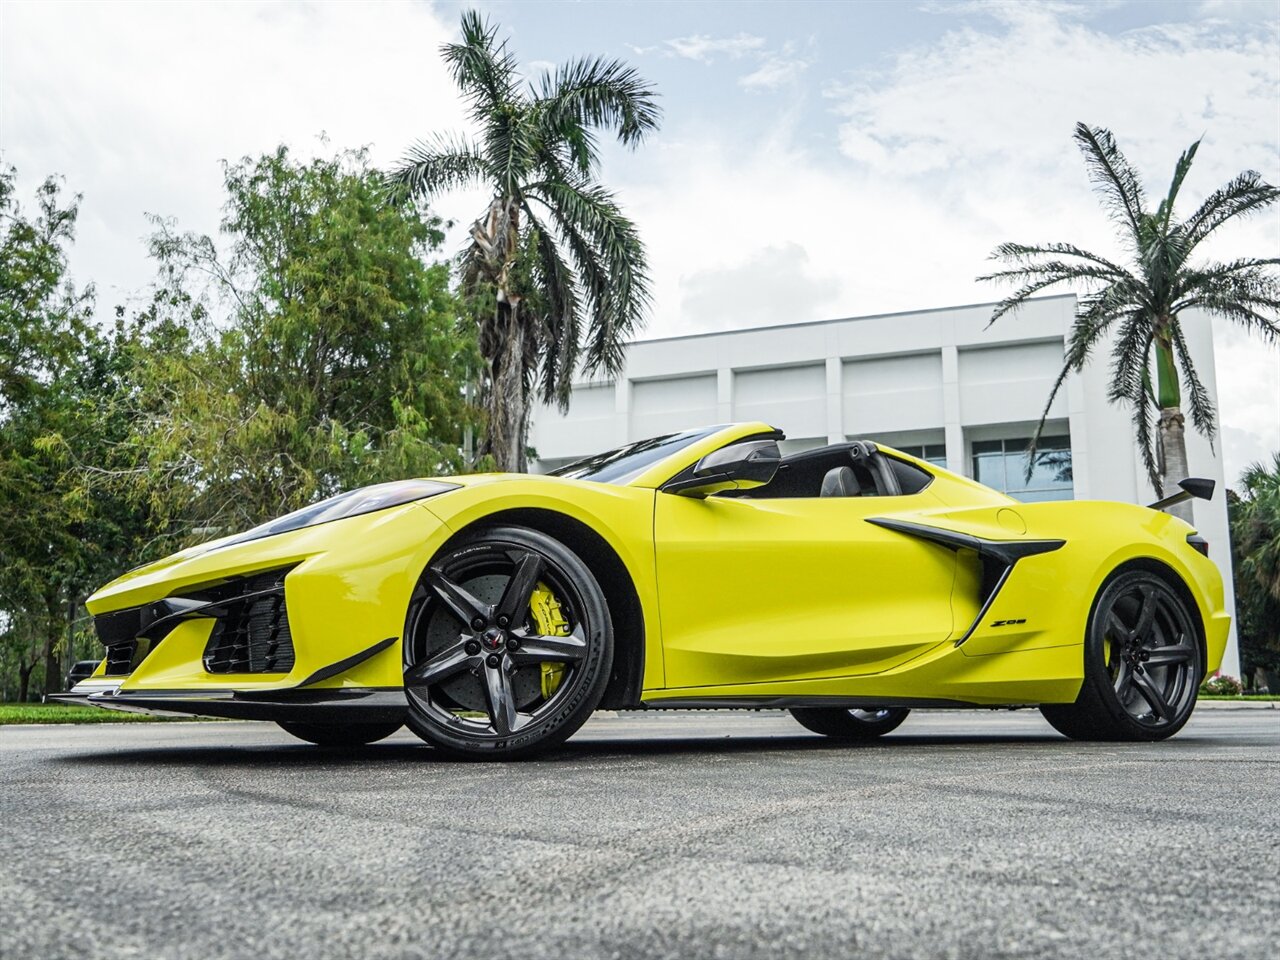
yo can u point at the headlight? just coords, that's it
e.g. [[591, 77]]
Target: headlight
[[380, 496]]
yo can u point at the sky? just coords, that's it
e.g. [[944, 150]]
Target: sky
[[816, 159]]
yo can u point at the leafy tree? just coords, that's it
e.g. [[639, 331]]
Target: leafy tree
[[1255, 535], [56, 537], [1139, 304], [555, 269], [318, 353]]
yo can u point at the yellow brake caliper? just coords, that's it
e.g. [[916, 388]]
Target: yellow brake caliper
[[550, 621]]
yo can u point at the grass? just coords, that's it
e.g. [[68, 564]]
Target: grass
[[1247, 696], [11, 713]]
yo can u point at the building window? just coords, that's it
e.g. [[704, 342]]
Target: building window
[[1002, 465], [935, 453]]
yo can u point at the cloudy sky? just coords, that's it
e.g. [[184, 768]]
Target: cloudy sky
[[816, 159]]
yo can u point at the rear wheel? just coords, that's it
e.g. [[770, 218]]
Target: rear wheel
[[508, 646], [1142, 664], [340, 735], [850, 725]]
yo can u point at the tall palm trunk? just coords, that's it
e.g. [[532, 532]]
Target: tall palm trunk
[[506, 399], [496, 236]]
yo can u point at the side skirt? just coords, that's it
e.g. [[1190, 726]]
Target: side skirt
[[787, 703]]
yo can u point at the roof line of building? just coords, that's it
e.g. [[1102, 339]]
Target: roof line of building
[[818, 323]]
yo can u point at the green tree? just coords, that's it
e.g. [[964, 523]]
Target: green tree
[[319, 352], [555, 270], [56, 373], [1255, 536], [1139, 305]]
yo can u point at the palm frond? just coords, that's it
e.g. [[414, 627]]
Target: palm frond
[[1248, 296], [1203, 414], [434, 166], [1141, 404], [485, 70], [1245, 194], [563, 334], [1180, 169], [1114, 177], [609, 246], [1026, 253], [594, 92], [1040, 277]]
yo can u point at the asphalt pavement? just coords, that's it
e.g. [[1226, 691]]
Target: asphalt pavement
[[963, 834]]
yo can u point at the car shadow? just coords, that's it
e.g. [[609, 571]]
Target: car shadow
[[301, 756]]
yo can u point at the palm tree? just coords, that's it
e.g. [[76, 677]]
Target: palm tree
[[1255, 550], [1138, 304], [557, 269]]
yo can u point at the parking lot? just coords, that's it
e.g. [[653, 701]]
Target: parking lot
[[964, 834]]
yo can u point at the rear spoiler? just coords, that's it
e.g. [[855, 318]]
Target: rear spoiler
[[1197, 487]]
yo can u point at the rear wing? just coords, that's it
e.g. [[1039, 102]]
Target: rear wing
[[1197, 487]]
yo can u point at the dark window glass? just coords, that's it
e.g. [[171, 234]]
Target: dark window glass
[[627, 462], [935, 453], [1002, 465], [911, 479]]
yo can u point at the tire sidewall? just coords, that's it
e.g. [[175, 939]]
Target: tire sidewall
[[1099, 679], [588, 687]]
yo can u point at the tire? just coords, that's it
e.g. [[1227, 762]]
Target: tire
[[492, 620], [1142, 664], [852, 726], [340, 735]]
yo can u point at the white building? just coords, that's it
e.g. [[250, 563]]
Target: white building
[[935, 383]]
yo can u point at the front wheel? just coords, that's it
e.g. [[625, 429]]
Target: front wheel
[[1142, 664], [850, 725], [340, 735], [508, 646]]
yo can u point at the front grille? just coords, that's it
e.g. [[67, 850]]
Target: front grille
[[251, 636]]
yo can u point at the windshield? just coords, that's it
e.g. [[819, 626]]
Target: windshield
[[625, 463]]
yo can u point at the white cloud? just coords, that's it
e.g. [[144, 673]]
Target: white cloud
[[773, 73], [135, 104], [705, 49], [773, 281]]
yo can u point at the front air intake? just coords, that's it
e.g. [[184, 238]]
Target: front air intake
[[252, 633]]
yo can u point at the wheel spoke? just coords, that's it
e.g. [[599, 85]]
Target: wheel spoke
[[536, 649], [1146, 614], [461, 603], [500, 699], [1118, 629], [1161, 656], [515, 598], [1124, 682], [453, 659], [1152, 694]]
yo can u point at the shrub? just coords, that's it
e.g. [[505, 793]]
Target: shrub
[[1220, 685]]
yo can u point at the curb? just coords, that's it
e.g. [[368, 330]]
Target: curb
[[1238, 705]]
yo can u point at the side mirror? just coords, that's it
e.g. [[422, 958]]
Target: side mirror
[[739, 466], [1192, 487]]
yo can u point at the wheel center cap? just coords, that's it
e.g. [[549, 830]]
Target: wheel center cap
[[493, 638]]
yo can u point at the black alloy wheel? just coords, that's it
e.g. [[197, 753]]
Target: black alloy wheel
[[340, 734], [1142, 667], [850, 725], [508, 646]]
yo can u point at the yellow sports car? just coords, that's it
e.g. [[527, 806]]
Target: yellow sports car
[[493, 613]]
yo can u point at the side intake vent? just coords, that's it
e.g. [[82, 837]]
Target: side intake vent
[[252, 633]]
